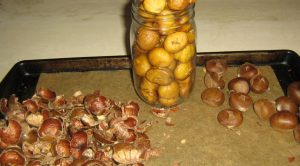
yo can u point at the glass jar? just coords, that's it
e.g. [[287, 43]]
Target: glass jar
[[163, 50]]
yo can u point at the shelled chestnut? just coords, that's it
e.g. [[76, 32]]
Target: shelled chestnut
[[48, 129]]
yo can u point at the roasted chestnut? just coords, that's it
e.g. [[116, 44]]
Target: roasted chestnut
[[154, 6], [62, 148], [178, 4], [264, 108], [213, 97], [230, 118], [240, 101], [294, 91], [297, 133], [141, 65], [96, 103], [159, 57], [287, 104], [169, 91], [239, 84], [147, 39], [259, 84], [283, 121], [175, 42], [247, 71], [213, 80], [218, 66]]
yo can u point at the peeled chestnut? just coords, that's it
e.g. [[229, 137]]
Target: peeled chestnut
[[160, 57], [175, 42], [218, 66], [213, 80], [286, 103], [259, 84], [230, 118], [154, 6], [147, 39], [178, 4], [294, 91], [240, 101], [183, 70], [169, 91], [247, 71], [160, 76], [213, 97], [297, 133], [239, 84], [141, 65], [264, 108], [283, 121]]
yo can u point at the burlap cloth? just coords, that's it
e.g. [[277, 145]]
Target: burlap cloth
[[196, 137]]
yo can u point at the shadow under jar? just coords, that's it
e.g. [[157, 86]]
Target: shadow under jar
[[163, 50]]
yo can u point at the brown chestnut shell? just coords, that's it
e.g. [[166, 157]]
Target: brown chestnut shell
[[264, 108], [286, 103], [213, 97], [240, 101], [247, 71], [283, 121], [259, 84], [294, 91], [239, 84], [230, 118]]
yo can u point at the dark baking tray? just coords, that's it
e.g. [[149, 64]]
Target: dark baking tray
[[22, 78]]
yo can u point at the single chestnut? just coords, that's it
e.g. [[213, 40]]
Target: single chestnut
[[218, 66], [259, 84], [297, 133], [213, 97], [154, 6], [213, 80], [175, 42], [283, 121], [239, 84], [178, 4], [247, 71], [294, 91], [230, 118], [240, 101], [146, 38], [159, 57], [264, 108], [141, 65], [286, 103]]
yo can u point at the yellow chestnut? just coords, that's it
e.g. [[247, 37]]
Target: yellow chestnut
[[166, 22], [175, 42], [183, 70], [172, 65], [191, 36], [178, 4], [141, 65], [169, 91], [147, 39], [160, 57], [168, 102], [186, 54], [185, 86], [154, 6], [160, 76], [148, 90]]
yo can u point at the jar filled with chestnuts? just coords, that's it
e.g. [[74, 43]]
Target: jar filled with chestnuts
[[163, 50]]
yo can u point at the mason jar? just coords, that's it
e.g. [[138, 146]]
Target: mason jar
[[163, 50]]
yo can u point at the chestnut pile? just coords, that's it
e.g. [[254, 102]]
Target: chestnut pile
[[283, 113], [48, 129], [163, 51]]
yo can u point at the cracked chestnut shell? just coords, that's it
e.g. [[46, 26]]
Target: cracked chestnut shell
[[240, 101], [12, 157], [11, 134], [259, 84], [230, 118], [51, 128], [218, 66]]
